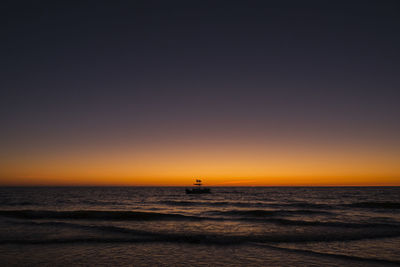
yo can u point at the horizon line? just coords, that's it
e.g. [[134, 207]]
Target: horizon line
[[2, 186]]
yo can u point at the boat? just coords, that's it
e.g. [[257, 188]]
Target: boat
[[199, 189]]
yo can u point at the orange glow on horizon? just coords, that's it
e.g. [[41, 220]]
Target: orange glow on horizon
[[208, 180], [224, 163]]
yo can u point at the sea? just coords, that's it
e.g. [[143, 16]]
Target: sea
[[232, 226]]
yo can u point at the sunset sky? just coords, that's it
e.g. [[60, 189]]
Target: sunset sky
[[235, 92]]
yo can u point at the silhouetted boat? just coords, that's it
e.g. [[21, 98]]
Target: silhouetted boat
[[199, 189]]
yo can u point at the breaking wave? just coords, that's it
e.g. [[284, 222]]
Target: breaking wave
[[137, 235], [260, 216]]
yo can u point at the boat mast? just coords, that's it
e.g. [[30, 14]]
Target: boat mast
[[198, 182]]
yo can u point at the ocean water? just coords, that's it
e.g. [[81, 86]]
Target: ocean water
[[233, 226]]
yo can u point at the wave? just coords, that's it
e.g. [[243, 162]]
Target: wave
[[304, 205], [287, 222], [330, 255], [212, 203], [375, 205], [99, 202], [137, 235], [92, 215], [256, 216], [269, 213], [298, 205], [18, 203], [57, 202], [259, 204]]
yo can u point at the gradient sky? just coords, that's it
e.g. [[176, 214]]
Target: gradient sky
[[235, 92]]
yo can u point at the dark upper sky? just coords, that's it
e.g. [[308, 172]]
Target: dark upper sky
[[107, 70]]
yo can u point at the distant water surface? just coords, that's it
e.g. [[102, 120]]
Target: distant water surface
[[236, 226]]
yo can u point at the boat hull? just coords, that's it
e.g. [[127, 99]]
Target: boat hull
[[198, 191]]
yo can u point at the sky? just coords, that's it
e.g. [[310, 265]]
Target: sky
[[255, 93]]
